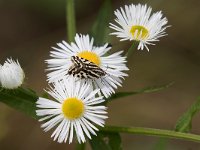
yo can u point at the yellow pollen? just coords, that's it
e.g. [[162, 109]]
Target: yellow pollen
[[142, 32], [92, 57], [72, 108]]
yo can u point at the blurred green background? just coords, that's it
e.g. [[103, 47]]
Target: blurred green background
[[28, 28]]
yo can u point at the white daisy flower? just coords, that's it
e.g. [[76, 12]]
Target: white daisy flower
[[75, 109], [105, 73], [135, 22], [11, 74]]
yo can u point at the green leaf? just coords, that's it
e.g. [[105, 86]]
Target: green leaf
[[141, 91], [184, 123], [114, 140], [100, 28], [97, 143], [106, 141], [20, 99], [45, 95]]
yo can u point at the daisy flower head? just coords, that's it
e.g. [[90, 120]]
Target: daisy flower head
[[75, 110], [11, 74], [135, 22], [86, 62]]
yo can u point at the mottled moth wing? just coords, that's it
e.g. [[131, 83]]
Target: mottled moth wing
[[83, 68]]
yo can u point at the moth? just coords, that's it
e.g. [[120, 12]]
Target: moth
[[84, 69]]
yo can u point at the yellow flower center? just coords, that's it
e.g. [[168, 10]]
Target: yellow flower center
[[92, 57], [72, 108], [142, 32]]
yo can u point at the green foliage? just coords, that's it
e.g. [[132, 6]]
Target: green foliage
[[106, 141], [184, 124], [141, 91], [20, 99], [100, 27], [45, 95]]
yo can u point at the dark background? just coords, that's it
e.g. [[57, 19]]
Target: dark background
[[28, 28]]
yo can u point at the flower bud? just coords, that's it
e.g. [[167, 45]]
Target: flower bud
[[11, 74]]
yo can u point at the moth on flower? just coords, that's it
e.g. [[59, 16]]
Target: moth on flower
[[11, 74], [135, 22], [88, 63], [84, 69], [75, 108]]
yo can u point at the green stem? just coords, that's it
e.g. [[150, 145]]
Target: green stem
[[153, 132], [131, 49], [71, 23]]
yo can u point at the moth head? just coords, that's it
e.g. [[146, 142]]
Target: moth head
[[73, 58]]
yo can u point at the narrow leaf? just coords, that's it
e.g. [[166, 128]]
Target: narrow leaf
[[97, 143], [100, 28], [141, 91], [106, 141], [114, 140], [20, 99], [184, 123]]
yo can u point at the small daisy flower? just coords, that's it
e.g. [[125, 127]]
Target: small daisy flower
[[135, 22], [75, 109], [11, 74], [107, 70]]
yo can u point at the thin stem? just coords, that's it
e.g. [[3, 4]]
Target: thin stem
[[153, 132], [70, 17], [131, 49]]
